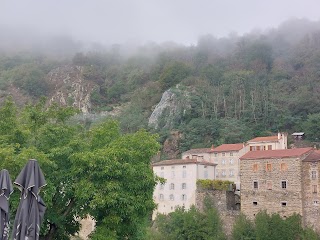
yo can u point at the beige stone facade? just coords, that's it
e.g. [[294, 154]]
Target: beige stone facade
[[310, 190], [275, 181]]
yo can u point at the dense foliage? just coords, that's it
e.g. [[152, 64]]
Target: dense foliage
[[188, 225], [238, 87], [270, 227], [214, 184], [96, 171]]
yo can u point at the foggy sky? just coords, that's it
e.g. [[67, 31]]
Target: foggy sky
[[139, 21]]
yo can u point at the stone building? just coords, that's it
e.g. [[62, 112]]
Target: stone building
[[180, 187], [310, 190], [279, 141], [271, 180], [226, 156]]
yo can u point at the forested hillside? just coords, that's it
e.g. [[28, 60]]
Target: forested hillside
[[236, 87]]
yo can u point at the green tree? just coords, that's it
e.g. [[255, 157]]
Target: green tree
[[311, 127], [97, 171], [243, 229]]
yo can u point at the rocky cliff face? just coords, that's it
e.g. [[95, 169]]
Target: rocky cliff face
[[69, 88], [173, 104]]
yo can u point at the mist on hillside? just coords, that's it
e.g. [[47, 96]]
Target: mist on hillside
[[64, 28]]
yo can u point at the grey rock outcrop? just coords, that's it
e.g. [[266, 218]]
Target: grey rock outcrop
[[172, 106], [69, 88]]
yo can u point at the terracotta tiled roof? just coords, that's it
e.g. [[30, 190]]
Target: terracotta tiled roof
[[198, 150], [313, 156], [295, 152], [182, 161], [228, 147], [264, 139]]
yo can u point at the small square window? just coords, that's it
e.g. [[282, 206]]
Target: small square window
[[184, 166], [162, 168], [314, 188], [216, 154], [269, 185], [255, 203], [223, 154], [283, 184], [255, 185], [283, 204], [269, 167], [283, 167]]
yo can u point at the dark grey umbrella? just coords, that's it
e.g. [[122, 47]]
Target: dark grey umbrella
[[6, 190], [31, 207]]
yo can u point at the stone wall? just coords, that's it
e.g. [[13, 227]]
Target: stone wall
[[225, 202], [285, 201], [311, 200]]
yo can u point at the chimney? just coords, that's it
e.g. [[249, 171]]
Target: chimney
[[212, 147], [279, 135]]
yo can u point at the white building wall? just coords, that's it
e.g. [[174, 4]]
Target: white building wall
[[177, 175]]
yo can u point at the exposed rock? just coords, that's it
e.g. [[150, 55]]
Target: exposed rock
[[69, 88], [173, 104], [171, 145]]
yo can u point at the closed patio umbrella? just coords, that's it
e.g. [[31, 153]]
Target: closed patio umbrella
[[6, 190], [31, 207]]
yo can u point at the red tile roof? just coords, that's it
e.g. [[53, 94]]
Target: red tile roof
[[182, 161], [285, 153], [198, 150], [228, 147], [313, 156], [264, 139]]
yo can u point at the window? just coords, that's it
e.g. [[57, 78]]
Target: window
[[252, 148], [162, 174], [223, 161], [205, 166], [162, 168], [263, 147], [161, 186], [171, 186], [313, 174], [283, 204], [283, 167], [172, 167], [216, 154], [161, 197], [184, 186], [206, 174], [269, 147], [255, 203], [194, 156], [255, 167], [184, 173], [223, 173], [258, 148], [184, 166], [255, 185], [171, 197], [231, 154], [231, 161], [269, 185], [314, 188], [231, 173], [223, 154], [283, 184], [184, 197], [269, 167], [172, 174]]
